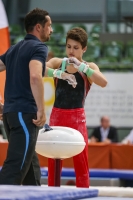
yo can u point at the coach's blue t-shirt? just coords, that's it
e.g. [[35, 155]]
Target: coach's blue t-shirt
[[18, 95]]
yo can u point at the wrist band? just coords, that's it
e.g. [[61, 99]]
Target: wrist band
[[82, 67], [50, 72], [57, 73], [54, 73], [89, 72]]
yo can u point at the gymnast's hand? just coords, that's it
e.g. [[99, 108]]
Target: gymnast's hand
[[81, 66], [74, 61], [70, 78]]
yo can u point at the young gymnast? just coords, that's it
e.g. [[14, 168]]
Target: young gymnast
[[68, 107]]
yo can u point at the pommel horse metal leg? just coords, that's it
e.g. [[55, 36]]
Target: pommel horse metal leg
[[57, 172]]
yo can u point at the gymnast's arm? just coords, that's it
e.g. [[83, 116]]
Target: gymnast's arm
[[97, 77], [53, 63], [90, 69]]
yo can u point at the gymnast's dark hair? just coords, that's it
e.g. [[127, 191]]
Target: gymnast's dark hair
[[36, 16], [78, 34]]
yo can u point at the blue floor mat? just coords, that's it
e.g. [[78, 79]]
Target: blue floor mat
[[45, 193]]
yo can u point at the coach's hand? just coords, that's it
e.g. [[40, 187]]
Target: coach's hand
[[41, 118]]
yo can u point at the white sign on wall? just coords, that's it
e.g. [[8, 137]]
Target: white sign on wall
[[115, 101]]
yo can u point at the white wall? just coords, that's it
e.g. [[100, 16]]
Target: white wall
[[115, 100]]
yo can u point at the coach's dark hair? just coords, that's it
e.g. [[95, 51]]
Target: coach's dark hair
[[78, 34], [34, 17]]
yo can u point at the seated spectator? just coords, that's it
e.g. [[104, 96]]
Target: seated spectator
[[128, 139], [104, 133]]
